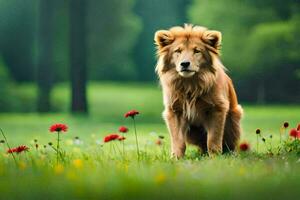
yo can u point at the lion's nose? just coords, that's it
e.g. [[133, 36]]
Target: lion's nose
[[185, 64]]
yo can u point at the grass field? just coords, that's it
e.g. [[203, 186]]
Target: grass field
[[91, 170]]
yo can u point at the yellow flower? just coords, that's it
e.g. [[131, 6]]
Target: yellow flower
[[78, 163], [72, 176], [126, 167], [58, 169], [160, 178], [22, 165], [242, 171]]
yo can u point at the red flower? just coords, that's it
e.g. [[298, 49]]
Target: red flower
[[131, 113], [58, 128], [298, 127], [121, 138], [294, 133], [244, 146], [18, 149], [11, 150], [22, 148], [158, 142], [111, 137], [123, 129]]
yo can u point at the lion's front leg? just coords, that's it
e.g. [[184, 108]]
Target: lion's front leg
[[215, 132], [177, 129]]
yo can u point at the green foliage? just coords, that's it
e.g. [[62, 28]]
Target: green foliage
[[13, 97], [17, 23], [260, 40], [273, 45], [5, 83], [260, 44], [112, 31], [155, 15], [292, 146], [235, 23], [4, 76]]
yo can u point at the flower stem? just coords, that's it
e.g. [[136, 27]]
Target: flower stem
[[113, 146], [123, 146], [119, 150], [286, 135], [257, 142], [271, 146], [57, 147], [8, 146], [264, 141], [280, 138], [136, 141], [54, 148]]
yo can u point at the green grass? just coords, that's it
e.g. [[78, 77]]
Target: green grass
[[93, 171]]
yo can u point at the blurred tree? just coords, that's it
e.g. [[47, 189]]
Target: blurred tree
[[61, 54], [45, 55], [17, 25], [112, 32], [274, 58], [78, 63], [155, 14]]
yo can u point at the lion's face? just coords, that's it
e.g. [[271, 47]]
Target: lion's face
[[186, 49], [187, 56]]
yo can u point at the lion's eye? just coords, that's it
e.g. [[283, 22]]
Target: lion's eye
[[178, 51], [197, 51]]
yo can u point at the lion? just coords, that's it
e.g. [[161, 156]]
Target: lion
[[200, 102]]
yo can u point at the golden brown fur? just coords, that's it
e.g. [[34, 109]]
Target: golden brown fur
[[201, 106]]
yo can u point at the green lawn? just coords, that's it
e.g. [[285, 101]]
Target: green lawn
[[92, 170]]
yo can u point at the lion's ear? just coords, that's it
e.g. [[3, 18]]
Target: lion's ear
[[163, 38], [212, 38]]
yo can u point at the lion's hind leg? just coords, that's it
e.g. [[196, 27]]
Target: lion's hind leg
[[232, 131]]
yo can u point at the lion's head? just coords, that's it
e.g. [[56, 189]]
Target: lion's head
[[186, 50]]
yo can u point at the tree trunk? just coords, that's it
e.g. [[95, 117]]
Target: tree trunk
[[45, 55], [78, 69]]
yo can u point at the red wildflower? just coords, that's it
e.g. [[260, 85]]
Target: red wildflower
[[18, 149], [294, 133], [22, 148], [58, 128], [244, 146], [121, 138], [131, 113], [123, 129], [11, 150], [111, 137], [298, 127], [158, 142], [285, 124]]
